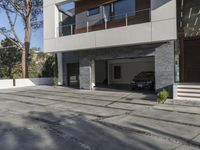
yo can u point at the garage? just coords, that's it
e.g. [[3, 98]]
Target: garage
[[118, 73]]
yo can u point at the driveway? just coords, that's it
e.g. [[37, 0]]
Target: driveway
[[57, 118]]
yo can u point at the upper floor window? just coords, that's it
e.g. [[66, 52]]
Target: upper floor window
[[93, 11], [124, 7], [119, 9], [108, 11]]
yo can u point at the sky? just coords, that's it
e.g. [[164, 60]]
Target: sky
[[37, 36], [67, 6]]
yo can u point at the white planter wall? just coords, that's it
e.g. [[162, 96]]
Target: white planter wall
[[33, 82], [6, 84]]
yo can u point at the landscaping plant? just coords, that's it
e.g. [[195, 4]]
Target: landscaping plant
[[162, 96]]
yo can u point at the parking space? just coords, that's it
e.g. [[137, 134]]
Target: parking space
[[45, 117], [126, 74]]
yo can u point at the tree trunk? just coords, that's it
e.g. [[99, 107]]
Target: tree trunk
[[25, 62], [27, 39]]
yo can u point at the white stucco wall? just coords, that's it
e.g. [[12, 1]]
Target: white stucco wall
[[163, 10], [161, 28], [8, 83], [33, 82], [51, 17], [4, 84]]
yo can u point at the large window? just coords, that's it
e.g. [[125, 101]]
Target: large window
[[66, 18], [119, 9], [123, 8], [108, 11], [93, 11]]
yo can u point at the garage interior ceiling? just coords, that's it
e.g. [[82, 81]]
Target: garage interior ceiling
[[188, 18]]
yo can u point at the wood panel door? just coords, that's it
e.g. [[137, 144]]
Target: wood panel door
[[192, 60]]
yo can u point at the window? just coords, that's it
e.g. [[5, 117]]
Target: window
[[123, 7], [93, 11], [117, 72], [119, 9], [108, 10]]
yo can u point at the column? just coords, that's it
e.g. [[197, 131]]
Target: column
[[87, 74], [60, 68]]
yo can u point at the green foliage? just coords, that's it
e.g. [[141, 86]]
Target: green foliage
[[10, 58], [49, 67], [40, 64], [162, 96], [55, 81]]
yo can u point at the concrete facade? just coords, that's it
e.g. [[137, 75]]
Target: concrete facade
[[163, 16], [151, 39]]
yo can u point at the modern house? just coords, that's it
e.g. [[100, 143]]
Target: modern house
[[111, 41]]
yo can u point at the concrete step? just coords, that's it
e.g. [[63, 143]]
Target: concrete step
[[188, 91], [195, 95], [188, 98], [189, 86]]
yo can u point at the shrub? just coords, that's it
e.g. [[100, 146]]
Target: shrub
[[55, 81], [162, 96]]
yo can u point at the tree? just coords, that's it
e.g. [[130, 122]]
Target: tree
[[41, 64], [28, 11], [50, 67], [10, 56]]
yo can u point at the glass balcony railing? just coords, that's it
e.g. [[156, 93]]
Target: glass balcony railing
[[104, 23]]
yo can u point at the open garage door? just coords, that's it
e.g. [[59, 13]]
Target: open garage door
[[118, 73]]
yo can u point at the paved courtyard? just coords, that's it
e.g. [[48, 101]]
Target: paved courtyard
[[57, 118]]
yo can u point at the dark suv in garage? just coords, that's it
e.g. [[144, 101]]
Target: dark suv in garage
[[144, 80]]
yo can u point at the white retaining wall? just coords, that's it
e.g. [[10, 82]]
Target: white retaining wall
[[33, 82], [5, 84]]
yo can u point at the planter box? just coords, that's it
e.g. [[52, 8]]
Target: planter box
[[5, 84], [10, 83]]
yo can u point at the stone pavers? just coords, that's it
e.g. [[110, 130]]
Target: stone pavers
[[57, 118]]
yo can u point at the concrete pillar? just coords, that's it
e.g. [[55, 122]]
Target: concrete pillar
[[60, 68], [87, 74], [108, 74], [175, 93], [93, 73], [164, 66]]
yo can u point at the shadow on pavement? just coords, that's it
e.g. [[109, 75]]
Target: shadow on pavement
[[60, 132]]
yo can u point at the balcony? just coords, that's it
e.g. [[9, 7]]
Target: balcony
[[104, 23], [78, 30]]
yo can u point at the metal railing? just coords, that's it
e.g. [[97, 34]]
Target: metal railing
[[105, 22]]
